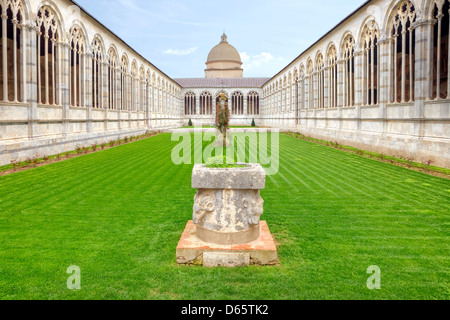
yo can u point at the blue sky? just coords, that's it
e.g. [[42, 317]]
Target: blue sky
[[177, 36]]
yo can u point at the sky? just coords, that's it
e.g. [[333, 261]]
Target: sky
[[176, 36]]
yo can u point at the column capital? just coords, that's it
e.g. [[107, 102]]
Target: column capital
[[423, 22]]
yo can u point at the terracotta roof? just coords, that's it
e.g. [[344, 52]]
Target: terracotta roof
[[222, 82]]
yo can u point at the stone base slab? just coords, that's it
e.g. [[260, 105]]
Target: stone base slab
[[193, 251]]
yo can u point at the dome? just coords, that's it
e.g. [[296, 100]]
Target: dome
[[224, 52]]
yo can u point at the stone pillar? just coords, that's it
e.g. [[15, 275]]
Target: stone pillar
[[384, 72], [246, 105], [65, 85], [31, 78], [423, 57], [197, 105]]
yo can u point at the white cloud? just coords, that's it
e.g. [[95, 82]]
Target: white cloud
[[256, 61], [184, 52]]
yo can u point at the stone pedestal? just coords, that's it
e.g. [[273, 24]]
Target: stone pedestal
[[226, 228]]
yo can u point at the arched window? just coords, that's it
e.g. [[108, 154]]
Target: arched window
[[349, 71], [370, 63], [77, 67], [47, 57], [134, 101], [190, 104], [302, 93], [206, 107], [112, 79], [253, 103], [237, 103], [296, 94], [310, 85], [124, 83], [332, 77], [441, 51], [12, 45], [320, 79], [148, 99], [402, 53], [97, 74], [153, 93], [142, 96]]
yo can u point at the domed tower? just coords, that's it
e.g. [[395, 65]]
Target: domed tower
[[224, 61]]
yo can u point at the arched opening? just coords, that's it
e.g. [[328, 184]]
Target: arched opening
[[47, 57], [237, 103], [11, 48], [370, 64], [332, 77], [441, 48], [253, 103], [77, 69], [97, 74], [310, 85], [349, 71], [124, 84], [402, 52], [112, 79], [320, 79], [190, 104], [206, 104]]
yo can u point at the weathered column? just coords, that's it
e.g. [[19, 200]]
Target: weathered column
[[64, 84], [423, 60], [30, 77]]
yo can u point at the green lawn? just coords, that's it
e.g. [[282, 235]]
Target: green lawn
[[119, 214]]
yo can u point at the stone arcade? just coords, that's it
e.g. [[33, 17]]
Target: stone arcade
[[378, 81]]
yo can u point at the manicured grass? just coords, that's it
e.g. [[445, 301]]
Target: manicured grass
[[119, 214]]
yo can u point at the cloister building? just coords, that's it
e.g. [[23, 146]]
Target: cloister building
[[378, 81]]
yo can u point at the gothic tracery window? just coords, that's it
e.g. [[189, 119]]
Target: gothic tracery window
[[124, 84], [332, 77], [310, 85], [77, 67], [370, 63], [402, 54], [237, 103], [349, 71], [190, 104], [440, 71], [320, 80], [12, 44], [47, 56], [206, 101], [112, 79], [253, 103], [97, 74]]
